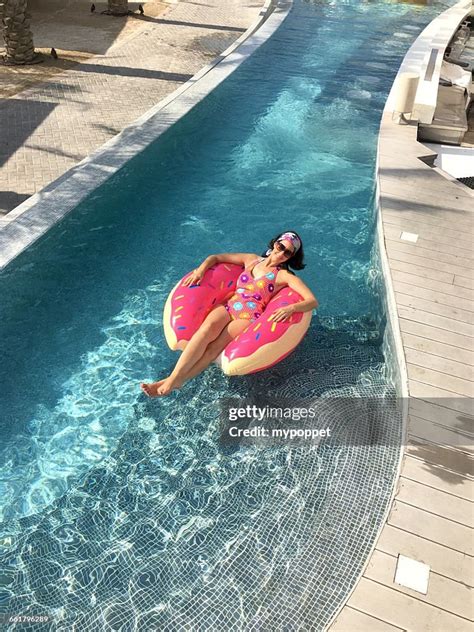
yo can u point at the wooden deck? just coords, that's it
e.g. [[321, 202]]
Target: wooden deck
[[432, 515]]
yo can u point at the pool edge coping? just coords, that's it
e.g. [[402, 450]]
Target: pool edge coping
[[33, 219]]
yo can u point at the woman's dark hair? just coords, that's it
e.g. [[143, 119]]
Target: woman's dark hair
[[296, 261]]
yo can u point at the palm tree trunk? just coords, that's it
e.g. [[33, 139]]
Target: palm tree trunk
[[118, 7], [17, 32]]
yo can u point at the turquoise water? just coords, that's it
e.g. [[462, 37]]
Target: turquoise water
[[287, 142]]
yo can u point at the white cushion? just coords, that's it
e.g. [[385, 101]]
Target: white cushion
[[457, 75]]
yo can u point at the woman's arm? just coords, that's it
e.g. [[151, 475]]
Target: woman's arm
[[308, 303], [239, 258]]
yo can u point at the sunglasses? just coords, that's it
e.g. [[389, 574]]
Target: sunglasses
[[281, 248]]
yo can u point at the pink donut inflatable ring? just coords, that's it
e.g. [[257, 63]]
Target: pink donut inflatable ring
[[261, 345]]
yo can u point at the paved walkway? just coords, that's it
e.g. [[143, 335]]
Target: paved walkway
[[54, 125]]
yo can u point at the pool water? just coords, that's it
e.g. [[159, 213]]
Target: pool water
[[126, 510]]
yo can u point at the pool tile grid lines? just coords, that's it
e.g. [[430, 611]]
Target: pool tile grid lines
[[430, 309], [38, 213]]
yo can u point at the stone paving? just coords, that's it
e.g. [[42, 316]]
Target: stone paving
[[76, 33], [49, 128]]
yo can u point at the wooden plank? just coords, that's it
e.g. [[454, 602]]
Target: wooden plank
[[435, 296], [448, 458], [437, 477], [393, 229], [427, 318], [429, 250], [425, 191], [401, 166], [429, 392], [432, 527], [435, 433], [434, 307], [442, 560], [461, 280], [435, 501], [421, 271], [432, 284], [428, 231], [440, 412], [436, 348], [433, 264], [439, 246], [403, 610], [438, 220], [458, 385], [417, 249], [439, 334], [438, 216], [443, 593], [425, 195], [352, 620], [439, 364], [448, 237]]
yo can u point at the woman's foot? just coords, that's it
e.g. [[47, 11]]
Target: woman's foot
[[151, 389], [161, 388]]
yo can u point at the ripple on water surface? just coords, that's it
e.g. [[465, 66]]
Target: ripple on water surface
[[173, 531]]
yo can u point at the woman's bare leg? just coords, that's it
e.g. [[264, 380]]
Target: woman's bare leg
[[207, 332], [214, 348], [211, 328]]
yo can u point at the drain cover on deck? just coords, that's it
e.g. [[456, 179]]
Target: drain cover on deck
[[412, 574]]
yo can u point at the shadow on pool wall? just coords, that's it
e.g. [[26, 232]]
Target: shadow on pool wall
[[164, 530]]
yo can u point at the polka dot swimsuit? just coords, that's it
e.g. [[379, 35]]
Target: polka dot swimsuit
[[252, 295]]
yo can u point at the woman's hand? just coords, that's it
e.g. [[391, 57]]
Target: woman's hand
[[194, 278], [282, 314]]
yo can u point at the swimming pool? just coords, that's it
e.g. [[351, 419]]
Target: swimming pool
[[126, 509]]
